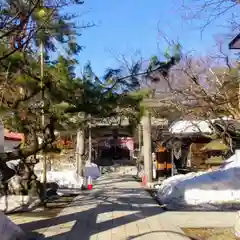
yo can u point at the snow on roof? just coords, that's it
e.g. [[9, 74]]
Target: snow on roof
[[196, 126], [188, 127]]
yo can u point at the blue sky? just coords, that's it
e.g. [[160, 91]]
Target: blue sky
[[125, 27]]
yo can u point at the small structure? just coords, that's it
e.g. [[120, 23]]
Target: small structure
[[193, 146], [185, 140], [163, 162], [216, 149]]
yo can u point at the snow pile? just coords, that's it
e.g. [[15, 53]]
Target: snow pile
[[9, 230], [64, 179], [69, 178], [217, 190]]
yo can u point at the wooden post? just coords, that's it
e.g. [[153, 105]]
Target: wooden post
[[43, 122], [90, 139], [172, 162], [147, 146], [80, 151], [139, 137]]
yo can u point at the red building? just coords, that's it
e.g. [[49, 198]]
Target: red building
[[12, 139]]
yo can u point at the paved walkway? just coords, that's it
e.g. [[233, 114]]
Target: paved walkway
[[118, 208]]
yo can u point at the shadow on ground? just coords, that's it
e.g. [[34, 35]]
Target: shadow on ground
[[87, 209], [86, 220], [34, 236]]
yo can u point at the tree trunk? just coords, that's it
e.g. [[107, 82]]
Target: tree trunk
[[147, 146], [31, 186]]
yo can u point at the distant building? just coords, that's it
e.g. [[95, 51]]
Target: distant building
[[9, 140]]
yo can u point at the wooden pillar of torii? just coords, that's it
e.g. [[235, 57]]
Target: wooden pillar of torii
[[146, 123], [147, 146]]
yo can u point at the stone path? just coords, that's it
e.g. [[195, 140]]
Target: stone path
[[118, 208]]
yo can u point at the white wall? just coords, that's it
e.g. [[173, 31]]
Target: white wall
[[9, 145]]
